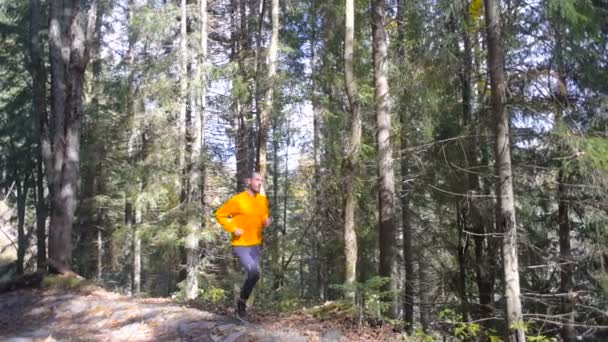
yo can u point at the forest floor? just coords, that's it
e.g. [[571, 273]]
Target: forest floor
[[90, 313]]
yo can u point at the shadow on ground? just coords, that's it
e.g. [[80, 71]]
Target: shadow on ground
[[97, 315]]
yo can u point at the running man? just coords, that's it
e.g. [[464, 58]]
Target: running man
[[245, 215]]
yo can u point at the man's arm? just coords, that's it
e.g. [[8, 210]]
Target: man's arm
[[224, 213]]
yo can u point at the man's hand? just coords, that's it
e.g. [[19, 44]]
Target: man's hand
[[238, 232], [267, 222]]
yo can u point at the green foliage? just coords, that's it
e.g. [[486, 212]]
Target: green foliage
[[540, 338], [371, 297], [63, 282], [569, 10], [423, 336], [603, 281], [594, 153], [333, 310], [495, 338], [468, 331], [214, 295]]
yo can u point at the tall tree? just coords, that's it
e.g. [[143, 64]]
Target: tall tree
[[350, 163], [240, 92], [317, 267], [505, 206], [566, 262], [197, 176], [135, 142], [406, 219], [386, 173], [22, 185], [39, 79], [485, 244], [89, 224], [264, 119], [71, 31], [184, 121]]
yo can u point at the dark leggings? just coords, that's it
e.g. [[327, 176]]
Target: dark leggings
[[249, 257]]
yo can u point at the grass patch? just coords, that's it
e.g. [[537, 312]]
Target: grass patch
[[63, 282]]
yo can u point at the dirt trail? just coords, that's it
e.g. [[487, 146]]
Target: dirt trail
[[97, 315]]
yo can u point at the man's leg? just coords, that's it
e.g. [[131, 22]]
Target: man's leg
[[249, 258], [253, 271]]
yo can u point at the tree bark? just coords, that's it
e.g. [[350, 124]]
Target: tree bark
[[74, 27], [424, 283], [316, 260], [135, 150], [41, 214], [136, 289], [505, 206], [197, 175], [185, 114], [202, 139], [99, 253], [406, 220], [243, 122], [463, 247], [39, 79], [386, 174], [99, 142], [567, 331], [22, 192], [268, 97], [351, 162], [484, 244], [58, 30], [85, 251]]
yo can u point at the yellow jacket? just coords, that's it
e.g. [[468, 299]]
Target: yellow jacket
[[246, 212]]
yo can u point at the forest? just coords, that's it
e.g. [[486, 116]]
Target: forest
[[438, 167]]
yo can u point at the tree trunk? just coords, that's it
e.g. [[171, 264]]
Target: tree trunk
[[268, 97], [567, 332], [463, 247], [92, 172], [22, 191], [485, 269], [317, 262], [486, 250], [99, 142], [69, 27], [185, 113], [59, 21], [505, 208], [192, 261], [99, 253], [243, 124], [39, 80], [185, 146], [484, 244], [424, 283], [135, 148], [286, 190], [275, 247], [386, 174], [41, 214], [406, 220], [351, 162], [197, 174], [202, 139], [135, 223]]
